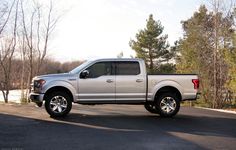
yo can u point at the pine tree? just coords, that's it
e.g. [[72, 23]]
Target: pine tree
[[151, 44]]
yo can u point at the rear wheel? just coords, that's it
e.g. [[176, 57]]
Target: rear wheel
[[58, 104], [167, 104]]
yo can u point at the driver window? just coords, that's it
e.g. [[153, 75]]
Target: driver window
[[99, 69]]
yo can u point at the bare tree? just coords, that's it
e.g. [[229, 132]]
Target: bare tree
[[222, 33], [5, 14], [23, 84], [48, 28], [37, 26], [25, 27], [8, 46], [27, 35]]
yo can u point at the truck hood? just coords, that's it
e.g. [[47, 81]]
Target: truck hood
[[55, 76]]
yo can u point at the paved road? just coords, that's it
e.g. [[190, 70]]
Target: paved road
[[115, 127]]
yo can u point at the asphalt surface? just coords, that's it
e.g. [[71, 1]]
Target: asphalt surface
[[114, 127]]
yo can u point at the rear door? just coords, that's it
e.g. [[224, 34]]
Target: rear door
[[130, 83]]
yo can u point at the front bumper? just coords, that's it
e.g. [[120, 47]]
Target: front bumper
[[36, 97]]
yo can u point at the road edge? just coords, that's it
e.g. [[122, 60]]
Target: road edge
[[219, 110]]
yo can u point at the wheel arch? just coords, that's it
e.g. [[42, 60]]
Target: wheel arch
[[168, 89], [59, 88]]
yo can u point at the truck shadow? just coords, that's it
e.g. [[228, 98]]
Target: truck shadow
[[197, 125], [117, 131], [86, 132]]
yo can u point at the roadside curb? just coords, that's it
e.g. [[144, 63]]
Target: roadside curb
[[219, 110]]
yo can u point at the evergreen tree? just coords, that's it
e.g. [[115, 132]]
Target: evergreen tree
[[230, 56], [207, 35], [151, 44]]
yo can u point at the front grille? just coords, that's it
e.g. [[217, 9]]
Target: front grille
[[32, 87]]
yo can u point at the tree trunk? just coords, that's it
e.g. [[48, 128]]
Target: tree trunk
[[151, 61]]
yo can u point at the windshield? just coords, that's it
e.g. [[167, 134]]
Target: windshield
[[77, 69]]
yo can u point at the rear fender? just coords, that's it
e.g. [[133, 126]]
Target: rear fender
[[162, 84]]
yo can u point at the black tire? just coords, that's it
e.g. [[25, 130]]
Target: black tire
[[167, 104], [150, 107], [39, 104], [58, 104]]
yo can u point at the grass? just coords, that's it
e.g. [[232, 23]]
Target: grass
[[24, 101], [201, 103], [198, 103]]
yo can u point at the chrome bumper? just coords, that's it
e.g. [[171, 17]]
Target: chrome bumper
[[36, 97]]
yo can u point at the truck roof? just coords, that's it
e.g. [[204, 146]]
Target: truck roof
[[118, 59]]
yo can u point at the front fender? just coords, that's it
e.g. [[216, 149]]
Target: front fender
[[60, 83]]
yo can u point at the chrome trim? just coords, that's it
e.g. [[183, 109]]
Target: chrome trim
[[168, 105], [58, 104]]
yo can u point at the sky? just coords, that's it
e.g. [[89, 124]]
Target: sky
[[90, 29]]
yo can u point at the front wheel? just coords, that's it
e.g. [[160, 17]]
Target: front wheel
[[167, 104], [151, 108], [58, 104]]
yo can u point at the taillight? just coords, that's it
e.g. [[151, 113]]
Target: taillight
[[195, 83]]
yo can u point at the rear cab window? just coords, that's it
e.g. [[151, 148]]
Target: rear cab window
[[127, 68]]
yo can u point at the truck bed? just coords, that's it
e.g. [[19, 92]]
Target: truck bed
[[155, 82]]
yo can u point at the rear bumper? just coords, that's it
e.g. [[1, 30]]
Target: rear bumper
[[36, 97], [191, 97]]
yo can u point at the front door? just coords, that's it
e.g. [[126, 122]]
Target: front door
[[99, 85]]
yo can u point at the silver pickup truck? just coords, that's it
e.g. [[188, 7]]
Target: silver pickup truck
[[113, 81]]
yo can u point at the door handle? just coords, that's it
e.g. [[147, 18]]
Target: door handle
[[109, 81], [139, 80]]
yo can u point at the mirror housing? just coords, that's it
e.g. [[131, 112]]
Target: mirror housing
[[84, 74]]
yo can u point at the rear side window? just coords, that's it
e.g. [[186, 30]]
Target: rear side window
[[99, 69], [127, 68]]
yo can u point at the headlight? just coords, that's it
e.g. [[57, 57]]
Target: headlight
[[38, 84]]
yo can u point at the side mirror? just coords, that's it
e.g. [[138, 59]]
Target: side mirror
[[84, 74]]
